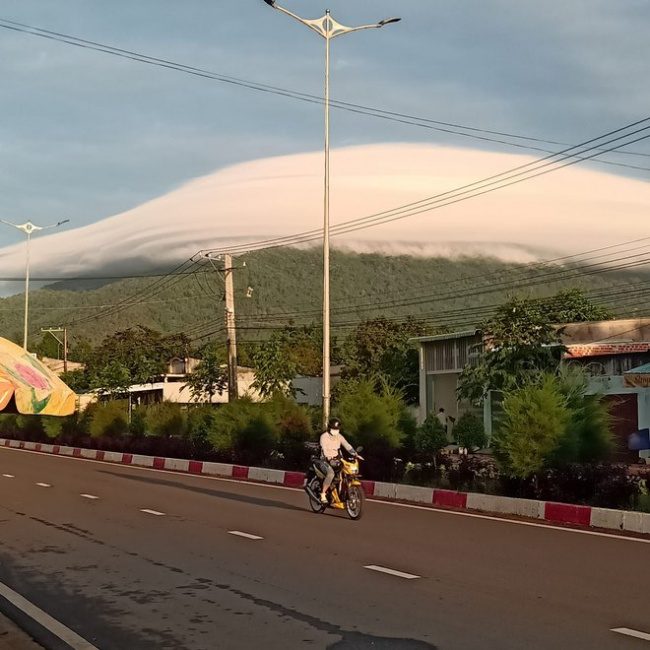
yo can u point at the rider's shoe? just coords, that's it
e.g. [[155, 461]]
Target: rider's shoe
[[323, 499]]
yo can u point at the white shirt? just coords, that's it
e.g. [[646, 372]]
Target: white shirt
[[330, 443]]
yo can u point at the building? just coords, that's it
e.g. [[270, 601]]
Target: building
[[442, 359], [612, 352]]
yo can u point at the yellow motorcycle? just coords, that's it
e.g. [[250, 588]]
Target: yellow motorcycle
[[346, 491]]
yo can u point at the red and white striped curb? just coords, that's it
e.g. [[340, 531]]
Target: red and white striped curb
[[561, 513]]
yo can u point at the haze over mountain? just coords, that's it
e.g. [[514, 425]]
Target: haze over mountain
[[571, 210]]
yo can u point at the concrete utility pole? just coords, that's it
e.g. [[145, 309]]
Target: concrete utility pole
[[57, 330], [231, 334]]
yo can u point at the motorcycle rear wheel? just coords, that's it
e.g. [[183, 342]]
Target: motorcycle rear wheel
[[316, 506], [354, 502]]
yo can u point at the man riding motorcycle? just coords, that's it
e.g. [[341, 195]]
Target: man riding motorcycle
[[331, 441]]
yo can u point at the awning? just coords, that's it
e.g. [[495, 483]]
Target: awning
[[29, 387], [637, 377]]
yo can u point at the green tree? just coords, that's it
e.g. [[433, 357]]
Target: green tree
[[535, 419], [470, 432], [381, 349], [431, 437], [522, 340], [371, 418], [113, 379], [209, 377], [274, 367]]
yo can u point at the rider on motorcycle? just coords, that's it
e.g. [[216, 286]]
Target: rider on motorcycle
[[331, 441]]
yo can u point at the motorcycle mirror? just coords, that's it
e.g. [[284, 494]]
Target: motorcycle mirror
[[359, 450]]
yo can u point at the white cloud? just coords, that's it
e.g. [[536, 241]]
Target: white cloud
[[570, 211]]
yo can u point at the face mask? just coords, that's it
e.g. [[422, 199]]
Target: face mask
[[333, 432]]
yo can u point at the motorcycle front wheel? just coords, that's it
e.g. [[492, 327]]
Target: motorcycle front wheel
[[354, 502], [315, 505]]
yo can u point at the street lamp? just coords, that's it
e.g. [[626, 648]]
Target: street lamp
[[29, 228], [328, 28]]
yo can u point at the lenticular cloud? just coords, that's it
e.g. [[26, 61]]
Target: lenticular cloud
[[571, 210]]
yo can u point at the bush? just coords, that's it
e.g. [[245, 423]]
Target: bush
[[108, 419], [166, 420], [255, 442], [535, 418], [431, 436], [369, 418], [469, 432]]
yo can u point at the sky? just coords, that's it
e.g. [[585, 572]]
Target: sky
[[87, 136]]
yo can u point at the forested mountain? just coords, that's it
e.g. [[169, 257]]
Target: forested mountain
[[284, 286]]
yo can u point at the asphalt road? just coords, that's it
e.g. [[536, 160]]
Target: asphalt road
[[123, 578]]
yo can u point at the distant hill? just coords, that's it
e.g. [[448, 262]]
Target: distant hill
[[284, 286]]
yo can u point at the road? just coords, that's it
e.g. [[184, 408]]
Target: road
[[139, 559]]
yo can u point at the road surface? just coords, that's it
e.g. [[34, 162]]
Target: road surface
[[139, 559]]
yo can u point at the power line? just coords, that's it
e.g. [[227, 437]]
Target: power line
[[402, 118]]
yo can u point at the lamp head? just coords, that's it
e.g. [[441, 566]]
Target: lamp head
[[386, 21], [271, 3]]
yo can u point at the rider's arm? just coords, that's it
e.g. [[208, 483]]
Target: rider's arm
[[347, 445]]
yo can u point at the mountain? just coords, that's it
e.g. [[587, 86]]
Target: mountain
[[284, 286]]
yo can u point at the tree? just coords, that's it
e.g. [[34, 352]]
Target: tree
[[522, 340], [381, 348], [210, 376], [469, 432], [431, 437], [274, 367], [534, 421], [113, 379]]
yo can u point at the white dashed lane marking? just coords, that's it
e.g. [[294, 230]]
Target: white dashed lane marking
[[634, 633], [9, 476], [152, 512], [43, 485], [89, 496], [392, 572], [238, 533]]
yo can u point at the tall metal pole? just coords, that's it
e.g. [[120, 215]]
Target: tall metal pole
[[65, 349], [328, 28], [326, 234], [231, 335], [29, 238]]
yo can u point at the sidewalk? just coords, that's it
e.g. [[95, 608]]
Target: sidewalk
[[13, 638]]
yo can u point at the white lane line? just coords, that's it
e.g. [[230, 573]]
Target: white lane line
[[152, 512], [635, 633], [9, 476], [64, 633], [431, 510], [89, 496], [392, 572], [43, 485], [238, 533]]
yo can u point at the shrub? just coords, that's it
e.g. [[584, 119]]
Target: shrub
[[431, 436], [255, 441], [108, 419], [469, 432], [166, 420], [199, 423], [371, 419], [535, 418]]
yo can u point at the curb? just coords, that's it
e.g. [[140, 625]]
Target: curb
[[557, 513]]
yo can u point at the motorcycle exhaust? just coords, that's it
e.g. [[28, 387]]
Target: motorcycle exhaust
[[311, 493]]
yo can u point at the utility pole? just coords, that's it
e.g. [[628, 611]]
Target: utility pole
[[231, 334], [57, 330]]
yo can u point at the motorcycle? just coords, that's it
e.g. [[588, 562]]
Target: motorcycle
[[345, 493]]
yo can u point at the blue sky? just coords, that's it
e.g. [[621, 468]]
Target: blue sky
[[85, 136]]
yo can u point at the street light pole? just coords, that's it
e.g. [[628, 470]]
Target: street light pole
[[29, 228], [328, 28]]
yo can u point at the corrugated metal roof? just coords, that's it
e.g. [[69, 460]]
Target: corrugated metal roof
[[447, 337], [641, 370]]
